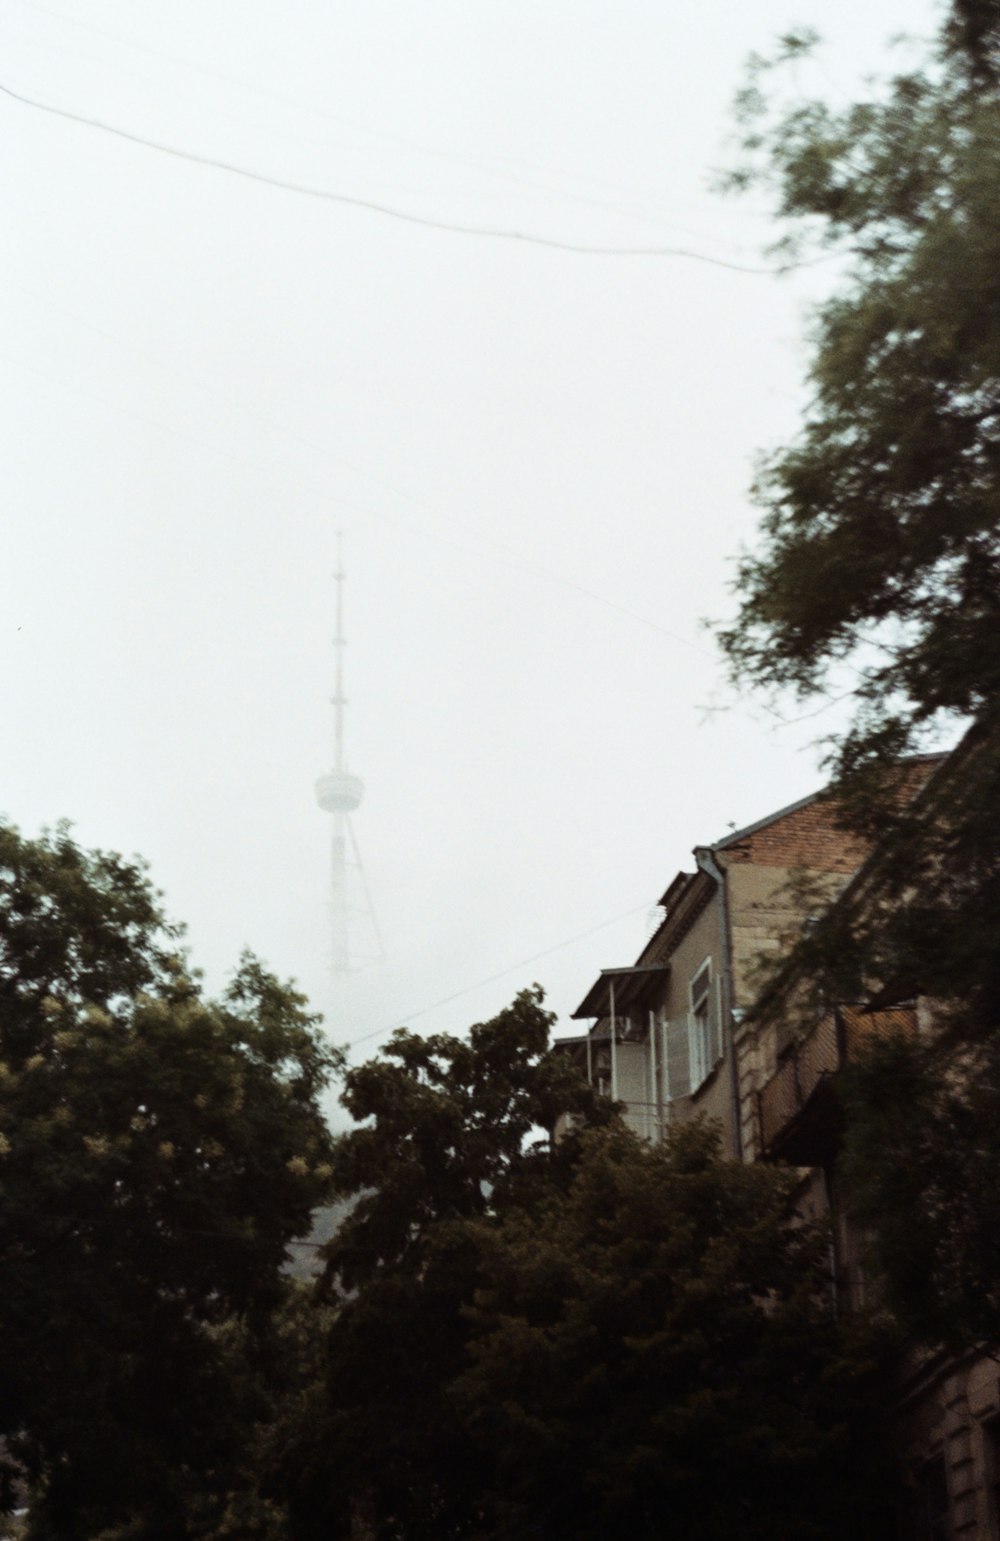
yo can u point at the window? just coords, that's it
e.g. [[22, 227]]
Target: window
[[703, 1025], [930, 1509], [601, 1076], [677, 1058], [991, 1453]]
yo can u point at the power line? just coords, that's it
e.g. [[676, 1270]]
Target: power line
[[513, 558], [493, 978], [148, 78], [547, 574], [389, 211], [633, 210]]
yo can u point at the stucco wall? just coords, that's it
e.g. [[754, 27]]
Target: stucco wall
[[767, 905], [635, 1087], [714, 1097], [950, 1411]]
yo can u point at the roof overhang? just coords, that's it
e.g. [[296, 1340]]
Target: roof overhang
[[634, 989], [676, 888]]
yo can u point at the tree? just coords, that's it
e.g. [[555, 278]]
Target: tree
[[882, 522], [880, 541], [450, 1131], [655, 1347], [567, 1337], [922, 1167], [880, 554], [158, 1151], [263, 1379]]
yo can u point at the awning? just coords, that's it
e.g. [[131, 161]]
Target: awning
[[636, 989]]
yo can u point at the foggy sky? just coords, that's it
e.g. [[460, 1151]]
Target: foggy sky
[[539, 461]]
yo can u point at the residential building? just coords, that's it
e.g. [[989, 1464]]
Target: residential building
[[665, 1036], [670, 1038]]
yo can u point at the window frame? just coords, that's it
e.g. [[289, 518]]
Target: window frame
[[701, 1004]]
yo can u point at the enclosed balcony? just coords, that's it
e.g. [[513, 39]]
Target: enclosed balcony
[[798, 1110], [621, 1055]]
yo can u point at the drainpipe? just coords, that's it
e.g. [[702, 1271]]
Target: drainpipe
[[614, 1046], [704, 855], [654, 1086], [664, 1104]]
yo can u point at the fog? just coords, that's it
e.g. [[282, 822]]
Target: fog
[[539, 460]]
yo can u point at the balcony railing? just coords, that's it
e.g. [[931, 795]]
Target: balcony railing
[[797, 1119]]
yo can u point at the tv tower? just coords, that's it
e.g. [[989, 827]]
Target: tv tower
[[339, 793]]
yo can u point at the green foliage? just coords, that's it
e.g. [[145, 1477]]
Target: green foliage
[[157, 1153], [264, 1378], [880, 528], [922, 1165], [451, 1131], [658, 1343], [567, 1338], [973, 34], [880, 538]]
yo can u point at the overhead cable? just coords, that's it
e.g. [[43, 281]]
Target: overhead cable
[[468, 541], [386, 136], [428, 222], [493, 979]]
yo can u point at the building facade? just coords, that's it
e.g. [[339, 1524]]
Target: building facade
[[665, 1036], [671, 1039]]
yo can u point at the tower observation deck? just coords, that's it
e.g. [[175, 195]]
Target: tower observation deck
[[339, 792], [354, 929]]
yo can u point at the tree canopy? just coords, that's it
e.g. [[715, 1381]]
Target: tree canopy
[[568, 1337], [879, 552], [881, 529], [158, 1150], [656, 1346], [878, 563], [922, 1167], [450, 1131]]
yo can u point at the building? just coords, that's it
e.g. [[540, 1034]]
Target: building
[[670, 1038], [665, 1036]]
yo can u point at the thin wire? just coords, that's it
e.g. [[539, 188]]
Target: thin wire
[[370, 205], [47, 47], [435, 152], [166, 428], [548, 574], [481, 983], [633, 210]]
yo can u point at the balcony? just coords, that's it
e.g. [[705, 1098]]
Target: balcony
[[799, 1114]]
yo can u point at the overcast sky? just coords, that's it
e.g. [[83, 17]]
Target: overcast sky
[[539, 461]]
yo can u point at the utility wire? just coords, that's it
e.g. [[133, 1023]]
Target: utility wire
[[634, 210], [480, 984], [547, 574], [513, 558], [427, 222], [149, 79], [387, 136]]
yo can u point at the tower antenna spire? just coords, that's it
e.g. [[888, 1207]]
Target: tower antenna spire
[[339, 643], [339, 793]]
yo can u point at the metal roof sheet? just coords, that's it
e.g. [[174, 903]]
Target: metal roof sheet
[[638, 986]]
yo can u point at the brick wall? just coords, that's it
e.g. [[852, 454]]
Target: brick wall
[[808, 837]]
